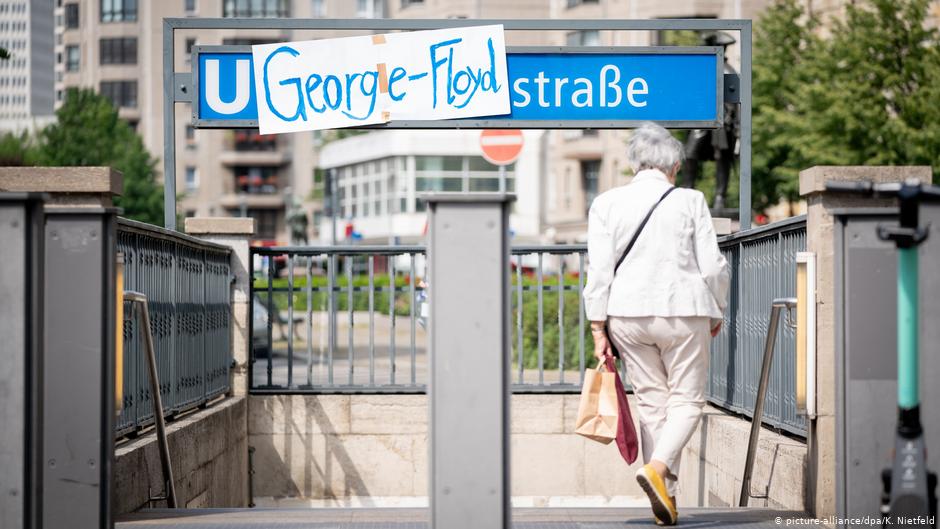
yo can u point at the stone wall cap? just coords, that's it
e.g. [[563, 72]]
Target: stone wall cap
[[220, 226], [104, 180], [722, 225], [813, 180]]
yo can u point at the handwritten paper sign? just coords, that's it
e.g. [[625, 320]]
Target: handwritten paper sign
[[354, 81]]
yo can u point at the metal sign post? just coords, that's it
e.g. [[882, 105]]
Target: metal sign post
[[699, 65]]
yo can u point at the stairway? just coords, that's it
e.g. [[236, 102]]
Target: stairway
[[549, 518]]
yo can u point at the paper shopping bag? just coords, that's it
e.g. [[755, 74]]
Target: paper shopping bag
[[597, 411]]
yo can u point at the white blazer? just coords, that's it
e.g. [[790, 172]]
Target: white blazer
[[675, 267]]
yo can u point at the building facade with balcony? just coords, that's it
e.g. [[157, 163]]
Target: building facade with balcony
[[115, 47]]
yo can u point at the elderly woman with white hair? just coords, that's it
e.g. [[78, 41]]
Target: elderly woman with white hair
[[659, 302]]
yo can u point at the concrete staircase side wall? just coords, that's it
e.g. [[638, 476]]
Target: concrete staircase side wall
[[356, 447], [209, 453], [713, 465]]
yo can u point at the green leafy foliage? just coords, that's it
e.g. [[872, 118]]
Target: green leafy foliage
[[17, 150], [88, 132], [551, 331], [865, 94]]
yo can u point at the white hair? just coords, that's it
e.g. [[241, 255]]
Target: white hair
[[653, 147]]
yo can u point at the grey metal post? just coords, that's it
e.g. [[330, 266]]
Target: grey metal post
[[778, 305], [169, 129], [744, 164], [468, 262], [166, 466], [333, 205], [20, 356], [78, 368]]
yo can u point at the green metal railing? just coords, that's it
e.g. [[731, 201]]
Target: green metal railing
[[187, 282], [763, 268]]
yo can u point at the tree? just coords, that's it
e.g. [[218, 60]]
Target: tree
[[88, 132], [785, 49], [865, 95], [17, 150], [879, 104]]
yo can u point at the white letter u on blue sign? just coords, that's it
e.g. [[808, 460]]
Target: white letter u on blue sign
[[242, 88]]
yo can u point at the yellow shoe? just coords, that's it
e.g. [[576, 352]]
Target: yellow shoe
[[655, 489]]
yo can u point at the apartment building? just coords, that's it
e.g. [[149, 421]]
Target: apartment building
[[116, 47], [26, 33]]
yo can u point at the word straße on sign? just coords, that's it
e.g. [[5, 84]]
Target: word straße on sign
[[441, 74], [580, 92]]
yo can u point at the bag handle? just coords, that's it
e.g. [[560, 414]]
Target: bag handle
[[642, 225]]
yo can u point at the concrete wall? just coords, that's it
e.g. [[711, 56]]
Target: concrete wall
[[209, 453], [372, 450], [713, 465]]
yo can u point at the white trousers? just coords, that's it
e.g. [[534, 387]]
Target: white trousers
[[667, 364]]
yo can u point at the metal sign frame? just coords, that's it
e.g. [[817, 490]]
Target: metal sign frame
[[497, 122], [178, 86]]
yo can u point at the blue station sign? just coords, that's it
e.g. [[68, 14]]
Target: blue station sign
[[679, 87]]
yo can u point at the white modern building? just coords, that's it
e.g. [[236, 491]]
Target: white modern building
[[379, 178], [26, 77]]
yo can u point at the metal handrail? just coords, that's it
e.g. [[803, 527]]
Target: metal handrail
[[170, 486], [777, 305]]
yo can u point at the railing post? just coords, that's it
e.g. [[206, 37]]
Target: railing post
[[21, 274], [233, 232], [468, 261]]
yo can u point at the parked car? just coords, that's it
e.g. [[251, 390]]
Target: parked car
[[259, 322]]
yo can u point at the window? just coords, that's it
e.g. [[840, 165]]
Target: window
[[590, 173], [265, 223], [118, 10], [189, 6], [256, 8], [368, 8], [256, 180], [190, 137], [72, 57], [192, 179], [250, 140], [406, 3], [317, 8], [121, 93], [438, 163], [587, 37], [575, 3], [189, 50], [71, 16], [121, 50]]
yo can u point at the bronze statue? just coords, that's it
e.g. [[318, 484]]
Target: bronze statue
[[714, 144], [297, 222]]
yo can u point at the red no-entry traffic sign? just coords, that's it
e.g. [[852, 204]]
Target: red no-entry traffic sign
[[501, 147]]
